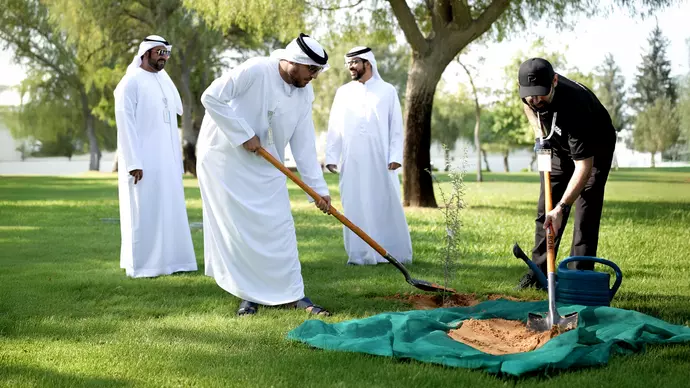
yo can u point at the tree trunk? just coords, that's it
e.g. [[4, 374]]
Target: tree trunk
[[114, 168], [615, 161], [477, 117], [423, 77], [505, 160], [89, 121], [615, 156], [530, 168], [478, 145], [486, 161], [446, 159], [189, 135], [653, 162]]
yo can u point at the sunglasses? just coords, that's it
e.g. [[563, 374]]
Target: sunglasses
[[315, 69], [163, 52], [354, 62]]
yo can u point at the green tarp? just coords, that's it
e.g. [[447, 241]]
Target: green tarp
[[422, 335]]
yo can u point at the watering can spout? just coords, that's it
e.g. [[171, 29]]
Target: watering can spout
[[520, 254]]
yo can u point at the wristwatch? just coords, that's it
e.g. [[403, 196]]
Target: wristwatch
[[565, 208]]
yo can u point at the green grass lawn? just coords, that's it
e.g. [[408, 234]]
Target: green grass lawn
[[70, 317]]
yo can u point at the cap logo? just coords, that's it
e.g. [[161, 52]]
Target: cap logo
[[531, 77]]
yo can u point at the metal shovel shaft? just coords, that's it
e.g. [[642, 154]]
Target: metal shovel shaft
[[553, 319]]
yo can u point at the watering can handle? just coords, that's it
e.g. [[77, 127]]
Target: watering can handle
[[619, 275]]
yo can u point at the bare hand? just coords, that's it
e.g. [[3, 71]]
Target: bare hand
[[393, 166], [137, 174], [324, 204], [554, 219], [332, 168], [252, 144]]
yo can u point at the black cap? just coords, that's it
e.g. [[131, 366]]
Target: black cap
[[535, 77]]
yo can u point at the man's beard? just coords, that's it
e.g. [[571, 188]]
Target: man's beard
[[543, 108], [358, 75], [295, 80], [158, 65]]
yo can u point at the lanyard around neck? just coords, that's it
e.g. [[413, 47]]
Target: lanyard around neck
[[541, 126], [165, 98]]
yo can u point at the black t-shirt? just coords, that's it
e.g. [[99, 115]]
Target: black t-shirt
[[583, 125]]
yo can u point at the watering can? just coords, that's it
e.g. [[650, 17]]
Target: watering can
[[574, 286]]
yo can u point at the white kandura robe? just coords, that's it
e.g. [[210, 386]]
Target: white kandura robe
[[156, 239], [250, 247], [364, 136]]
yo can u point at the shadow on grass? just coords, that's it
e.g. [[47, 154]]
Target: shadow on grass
[[43, 377]]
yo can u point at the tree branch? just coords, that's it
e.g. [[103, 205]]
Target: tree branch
[[136, 17], [358, 2], [436, 24], [461, 13], [27, 51], [408, 24], [90, 54], [474, 89], [490, 14]]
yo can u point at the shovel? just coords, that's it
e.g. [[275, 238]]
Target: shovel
[[421, 284], [536, 322]]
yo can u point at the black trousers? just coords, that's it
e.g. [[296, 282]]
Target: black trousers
[[587, 209]]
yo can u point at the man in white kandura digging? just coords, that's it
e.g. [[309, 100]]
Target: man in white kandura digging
[[250, 247]]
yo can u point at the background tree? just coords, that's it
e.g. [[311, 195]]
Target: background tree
[[197, 57], [28, 28], [653, 79], [610, 89], [683, 110], [477, 119], [656, 128], [437, 31], [654, 89], [452, 119]]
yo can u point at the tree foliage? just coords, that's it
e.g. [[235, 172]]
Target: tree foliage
[[452, 119], [53, 61], [653, 80], [656, 127], [610, 89]]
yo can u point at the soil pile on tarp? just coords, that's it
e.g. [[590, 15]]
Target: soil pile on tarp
[[500, 336]]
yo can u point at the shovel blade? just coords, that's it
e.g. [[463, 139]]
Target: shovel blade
[[428, 286], [538, 323]]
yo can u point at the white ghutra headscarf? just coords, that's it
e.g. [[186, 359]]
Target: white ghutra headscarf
[[304, 50], [364, 53], [147, 44]]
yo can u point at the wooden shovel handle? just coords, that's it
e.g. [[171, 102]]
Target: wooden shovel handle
[[550, 233], [335, 213]]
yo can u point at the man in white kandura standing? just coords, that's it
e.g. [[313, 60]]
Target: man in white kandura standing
[[250, 247], [156, 239], [365, 137]]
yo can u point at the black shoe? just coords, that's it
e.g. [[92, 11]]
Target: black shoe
[[528, 280], [247, 308]]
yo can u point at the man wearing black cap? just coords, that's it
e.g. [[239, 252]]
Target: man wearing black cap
[[577, 128]]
